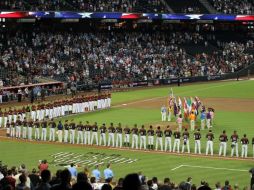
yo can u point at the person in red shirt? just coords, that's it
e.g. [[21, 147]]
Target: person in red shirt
[[43, 166]]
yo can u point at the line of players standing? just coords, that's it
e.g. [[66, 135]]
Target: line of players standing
[[141, 138]]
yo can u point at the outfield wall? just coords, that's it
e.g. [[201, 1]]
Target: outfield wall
[[239, 74]]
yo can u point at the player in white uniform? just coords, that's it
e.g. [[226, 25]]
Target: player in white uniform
[[95, 134], [186, 143], [127, 132], [163, 113], [80, 132], [52, 130], [150, 133]]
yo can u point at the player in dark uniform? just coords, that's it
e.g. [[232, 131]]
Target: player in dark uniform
[[30, 130], [186, 142], [24, 129], [8, 126], [223, 143], [87, 137], [234, 145], [37, 130], [253, 147], [168, 134], [142, 133], [127, 132], [111, 135], [95, 134], [197, 137], [134, 132], [52, 130], [150, 133], [159, 135], [66, 131], [44, 126], [80, 132], [177, 136], [209, 144], [103, 131], [72, 132], [119, 135], [244, 142]]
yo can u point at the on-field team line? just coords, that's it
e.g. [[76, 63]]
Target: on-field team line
[[155, 152]]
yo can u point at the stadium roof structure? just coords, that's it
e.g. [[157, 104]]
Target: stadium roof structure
[[117, 15]]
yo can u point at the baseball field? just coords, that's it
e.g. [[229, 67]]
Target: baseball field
[[233, 102]]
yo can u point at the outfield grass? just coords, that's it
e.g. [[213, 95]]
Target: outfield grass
[[153, 164]]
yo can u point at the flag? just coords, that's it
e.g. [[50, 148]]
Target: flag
[[180, 102]]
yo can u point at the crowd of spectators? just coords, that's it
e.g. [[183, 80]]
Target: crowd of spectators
[[85, 5], [21, 179], [117, 56], [233, 6]]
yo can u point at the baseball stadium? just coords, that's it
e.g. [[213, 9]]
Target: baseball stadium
[[127, 94]]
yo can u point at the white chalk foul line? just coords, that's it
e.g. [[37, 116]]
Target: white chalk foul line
[[177, 167], [209, 167]]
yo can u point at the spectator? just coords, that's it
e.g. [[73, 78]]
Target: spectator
[[73, 170], [227, 186], [34, 177], [119, 185], [96, 173], [45, 178], [22, 185], [65, 181], [43, 165], [166, 185], [132, 182], [108, 173], [106, 187], [82, 183]]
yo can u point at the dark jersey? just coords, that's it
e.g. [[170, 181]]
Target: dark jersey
[[197, 136], [80, 127], [159, 133], [177, 135], [253, 140], [95, 128], [210, 136], [150, 132], [119, 130], [245, 140], [103, 129], [168, 133], [37, 124], [30, 124], [127, 130], [234, 138], [142, 132], [88, 127], [186, 135], [73, 126], [66, 126], [52, 124], [223, 138], [44, 124], [134, 131], [111, 129]]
